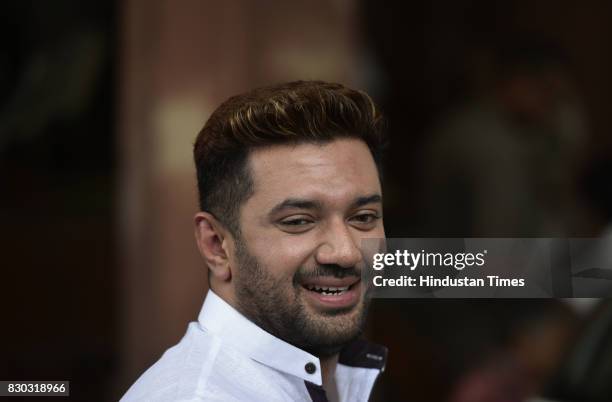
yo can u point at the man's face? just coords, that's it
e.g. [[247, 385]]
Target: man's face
[[298, 258]]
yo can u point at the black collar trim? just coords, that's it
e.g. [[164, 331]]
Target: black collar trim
[[362, 353]]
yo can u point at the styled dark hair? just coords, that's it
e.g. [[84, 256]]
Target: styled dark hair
[[290, 113]]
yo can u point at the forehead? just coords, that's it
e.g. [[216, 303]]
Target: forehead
[[337, 170]]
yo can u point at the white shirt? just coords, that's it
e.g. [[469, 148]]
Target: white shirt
[[225, 357]]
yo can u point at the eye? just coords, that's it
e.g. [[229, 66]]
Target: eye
[[296, 224], [366, 220]]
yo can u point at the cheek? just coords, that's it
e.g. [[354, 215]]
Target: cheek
[[378, 232], [284, 256]]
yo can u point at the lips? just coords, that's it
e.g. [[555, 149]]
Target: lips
[[329, 292], [330, 282]]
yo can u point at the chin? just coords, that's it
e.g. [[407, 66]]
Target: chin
[[339, 328], [332, 341]]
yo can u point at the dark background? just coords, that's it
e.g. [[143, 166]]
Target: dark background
[[58, 68]]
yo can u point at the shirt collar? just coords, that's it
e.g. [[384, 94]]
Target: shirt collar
[[221, 319]]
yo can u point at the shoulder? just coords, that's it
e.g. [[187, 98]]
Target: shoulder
[[175, 376], [201, 368]]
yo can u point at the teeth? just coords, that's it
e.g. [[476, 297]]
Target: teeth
[[328, 290]]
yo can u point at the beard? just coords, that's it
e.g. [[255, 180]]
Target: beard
[[275, 304]]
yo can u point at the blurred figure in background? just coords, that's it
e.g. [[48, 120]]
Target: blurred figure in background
[[505, 162], [518, 365], [586, 370], [472, 350]]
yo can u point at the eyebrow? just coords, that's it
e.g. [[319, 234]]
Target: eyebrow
[[301, 203], [295, 203], [370, 199]]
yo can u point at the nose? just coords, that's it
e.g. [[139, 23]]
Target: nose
[[339, 247]]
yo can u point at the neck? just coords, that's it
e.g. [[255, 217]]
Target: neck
[[328, 374]]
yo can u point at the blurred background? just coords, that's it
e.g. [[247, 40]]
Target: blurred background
[[499, 119]]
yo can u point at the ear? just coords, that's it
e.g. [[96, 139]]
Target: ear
[[210, 238]]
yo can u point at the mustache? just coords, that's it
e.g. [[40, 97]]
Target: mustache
[[329, 270]]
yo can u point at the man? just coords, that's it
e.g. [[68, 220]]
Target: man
[[289, 186]]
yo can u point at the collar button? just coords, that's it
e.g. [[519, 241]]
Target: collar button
[[310, 368]]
